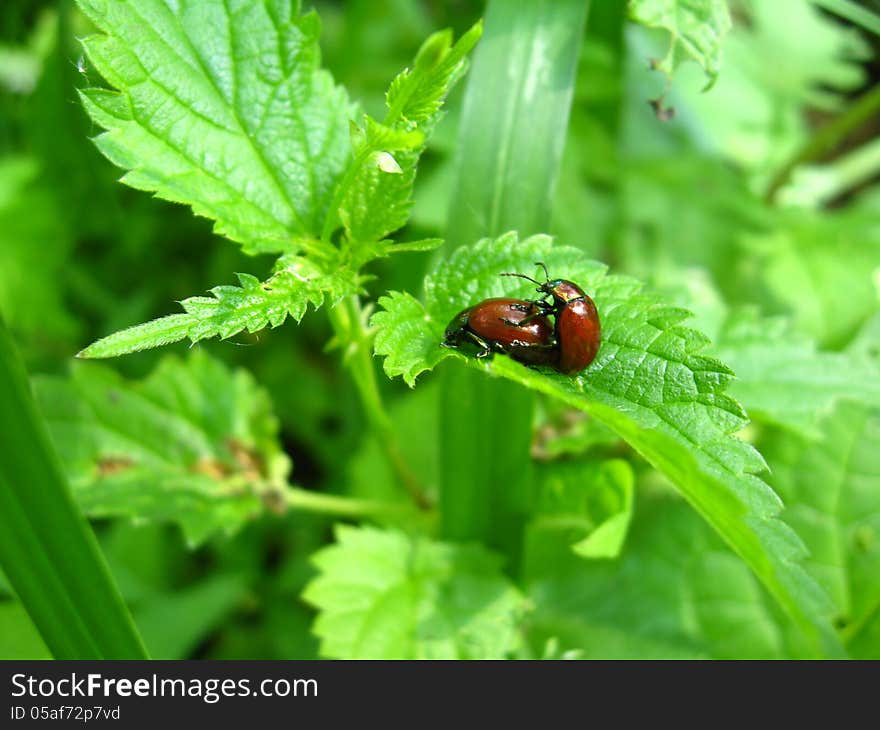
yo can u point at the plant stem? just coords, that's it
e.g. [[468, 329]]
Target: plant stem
[[347, 319], [850, 170], [331, 504], [827, 137]]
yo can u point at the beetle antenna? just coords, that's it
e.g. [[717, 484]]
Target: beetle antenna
[[543, 266], [522, 276]]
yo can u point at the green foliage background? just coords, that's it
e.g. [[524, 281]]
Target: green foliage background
[[710, 488]]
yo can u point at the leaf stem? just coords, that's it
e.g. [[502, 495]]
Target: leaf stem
[[331, 504], [827, 137], [348, 321], [847, 172]]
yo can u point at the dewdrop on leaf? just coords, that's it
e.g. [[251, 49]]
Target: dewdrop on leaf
[[386, 163]]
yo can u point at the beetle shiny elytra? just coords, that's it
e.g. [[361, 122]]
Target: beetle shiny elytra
[[576, 328], [514, 327]]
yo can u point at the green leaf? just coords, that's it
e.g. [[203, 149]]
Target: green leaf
[[406, 336], [831, 490], [649, 384], [676, 592], [296, 283], [589, 504], [222, 108], [375, 197], [696, 29], [47, 550], [384, 595], [782, 379], [19, 639], [194, 443]]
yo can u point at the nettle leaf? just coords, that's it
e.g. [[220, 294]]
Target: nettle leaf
[[194, 443], [296, 283], [783, 379], [831, 490], [385, 595], [224, 108], [649, 384], [696, 29], [676, 592], [221, 106], [376, 196]]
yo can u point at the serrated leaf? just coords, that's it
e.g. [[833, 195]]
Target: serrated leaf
[[376, 196], [251, 307], [696, 29], [385, 595], [831, 490], [783, 379], [221, 106], [676, 592], [417, 94], [406, 335], [649, 383], [194, 443]]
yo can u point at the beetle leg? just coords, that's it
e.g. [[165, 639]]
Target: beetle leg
[[485, 350]]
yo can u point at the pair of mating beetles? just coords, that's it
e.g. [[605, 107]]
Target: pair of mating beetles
[[521, 328]]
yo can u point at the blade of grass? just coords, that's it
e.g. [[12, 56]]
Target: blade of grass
[[511, 139], [47, 549]]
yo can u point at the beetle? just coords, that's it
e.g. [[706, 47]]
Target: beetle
[[577, 332], [514, 327]]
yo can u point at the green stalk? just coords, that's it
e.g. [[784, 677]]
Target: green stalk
[[347, 320], [47, 549], [827, 137], [847, 172], [511, 139], [335, 506]]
